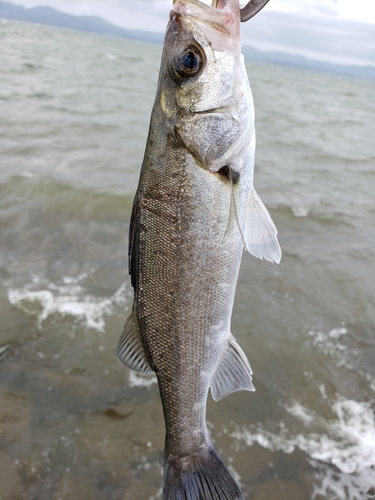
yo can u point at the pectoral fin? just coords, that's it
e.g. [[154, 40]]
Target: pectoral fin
[[260, 231], [233, 372], [130, 350]]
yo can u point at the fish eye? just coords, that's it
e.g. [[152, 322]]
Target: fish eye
[[187, 63]]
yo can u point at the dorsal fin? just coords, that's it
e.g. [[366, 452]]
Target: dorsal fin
[[133, 249]]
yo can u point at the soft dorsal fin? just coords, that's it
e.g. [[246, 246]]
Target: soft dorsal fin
[[233, 372], [260, 231], [130, 350]]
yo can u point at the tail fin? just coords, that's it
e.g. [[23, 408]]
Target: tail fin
[[202, 476]]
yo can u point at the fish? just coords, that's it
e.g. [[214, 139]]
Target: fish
[[194, 212]]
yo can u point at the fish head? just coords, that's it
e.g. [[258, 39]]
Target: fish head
[[203, 86]]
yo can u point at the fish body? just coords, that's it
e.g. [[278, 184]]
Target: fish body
[[194, 211]]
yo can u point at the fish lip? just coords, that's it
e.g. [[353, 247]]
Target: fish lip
[[247, 12], [223, 19], [208, 9], [199, 3]]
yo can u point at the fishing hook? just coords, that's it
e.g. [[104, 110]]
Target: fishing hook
[[252, 8]]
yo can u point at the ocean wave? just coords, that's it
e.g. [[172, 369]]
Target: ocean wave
[[346, 442], [43, 299], [300, 211], [344, 487], [145, 381], [329, 344]]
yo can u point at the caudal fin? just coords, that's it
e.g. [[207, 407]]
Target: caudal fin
[[201, 476]]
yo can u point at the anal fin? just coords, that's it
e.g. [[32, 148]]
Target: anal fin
[[233, 372], [260, 232], [130, 349]]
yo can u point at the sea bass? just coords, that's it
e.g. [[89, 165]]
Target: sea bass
[[194, 212]]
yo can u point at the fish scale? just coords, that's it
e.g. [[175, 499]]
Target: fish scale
[[183, 310], [194, 211]]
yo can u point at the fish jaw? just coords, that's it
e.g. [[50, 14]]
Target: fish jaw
[[220, 23], [218, 100], [216, 85]]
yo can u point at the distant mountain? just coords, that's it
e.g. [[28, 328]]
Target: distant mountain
[[364, 72], [93, 24]]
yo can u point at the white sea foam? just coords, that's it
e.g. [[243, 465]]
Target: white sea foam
[[329, 344], [137, 380], [300, 211], [336, 333], [299, 411], [4, 348], [347, 442], [332, 344], [67, 299], [329, 484]]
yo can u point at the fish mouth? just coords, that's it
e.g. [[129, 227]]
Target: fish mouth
[[247, 12], [216, 4], [219, 22]]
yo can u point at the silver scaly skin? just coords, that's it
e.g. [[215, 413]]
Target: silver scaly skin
[[194, 211]]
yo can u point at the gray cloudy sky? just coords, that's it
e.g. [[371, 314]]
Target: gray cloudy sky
[[338, 31]]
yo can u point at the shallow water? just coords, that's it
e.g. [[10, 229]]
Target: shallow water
[[74, 422]]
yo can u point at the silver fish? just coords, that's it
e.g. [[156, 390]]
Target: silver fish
[[194, 212]]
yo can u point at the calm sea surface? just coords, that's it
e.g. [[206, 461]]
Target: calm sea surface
[[74, 422]]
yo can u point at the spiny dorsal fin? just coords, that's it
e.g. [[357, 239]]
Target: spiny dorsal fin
[[130, 350], [260, 231], [233, 372]]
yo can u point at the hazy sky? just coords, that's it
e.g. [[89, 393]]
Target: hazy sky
[[340, 31]]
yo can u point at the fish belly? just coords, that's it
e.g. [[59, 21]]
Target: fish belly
[[189, 257]]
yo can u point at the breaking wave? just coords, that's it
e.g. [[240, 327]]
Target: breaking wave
[[346, 442], [43, 299]]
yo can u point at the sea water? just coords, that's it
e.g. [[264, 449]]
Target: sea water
[[74, 422]]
